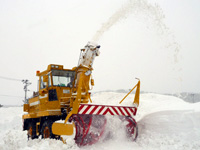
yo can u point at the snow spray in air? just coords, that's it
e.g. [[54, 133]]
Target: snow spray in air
[[118, 15], [141, 8]]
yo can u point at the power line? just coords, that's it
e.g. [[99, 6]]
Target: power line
[[26, 82], [6, 78], [11, 96]]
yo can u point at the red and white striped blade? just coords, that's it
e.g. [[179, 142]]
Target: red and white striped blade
[[107, 110]]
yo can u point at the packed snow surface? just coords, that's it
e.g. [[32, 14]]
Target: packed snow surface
[[164, 122]]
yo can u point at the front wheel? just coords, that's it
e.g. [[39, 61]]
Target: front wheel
[[47, 130], [31, 132]]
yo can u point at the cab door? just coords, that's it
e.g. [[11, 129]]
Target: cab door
[[43, 92], [53, 98]]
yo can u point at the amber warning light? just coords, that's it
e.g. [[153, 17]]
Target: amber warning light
[[37, 72]]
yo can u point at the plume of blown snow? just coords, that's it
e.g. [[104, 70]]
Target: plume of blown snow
[[136, 7], [146, 11]]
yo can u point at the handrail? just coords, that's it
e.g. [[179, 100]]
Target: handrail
[[137, 93]]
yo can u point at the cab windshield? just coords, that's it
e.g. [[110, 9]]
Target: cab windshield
[[63, 78]]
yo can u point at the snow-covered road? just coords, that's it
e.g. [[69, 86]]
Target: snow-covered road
[[165, 122]]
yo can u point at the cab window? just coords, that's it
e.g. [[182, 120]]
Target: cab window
[[42, 84]]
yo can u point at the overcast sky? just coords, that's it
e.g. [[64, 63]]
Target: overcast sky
[[157, 41]]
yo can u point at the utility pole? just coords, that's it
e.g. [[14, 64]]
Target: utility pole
[[27, 83]]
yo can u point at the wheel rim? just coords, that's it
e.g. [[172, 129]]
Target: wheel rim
[[46, 132], [30, 131]]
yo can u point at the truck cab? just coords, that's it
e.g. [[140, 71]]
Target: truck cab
[[54, 92]]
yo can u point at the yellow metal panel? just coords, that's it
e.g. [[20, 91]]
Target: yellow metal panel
[[26, 107], [42, 105], [62, 129], [53, 105], [48, 113], [42, 113], [53, 113], [33, 99], [27, 116]]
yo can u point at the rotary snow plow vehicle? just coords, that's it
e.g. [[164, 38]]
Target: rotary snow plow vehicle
[[64, 94]]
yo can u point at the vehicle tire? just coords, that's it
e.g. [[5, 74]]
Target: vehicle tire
[[31, 132], [46, 131]]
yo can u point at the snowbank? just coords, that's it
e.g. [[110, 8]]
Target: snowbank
[[165, 122]]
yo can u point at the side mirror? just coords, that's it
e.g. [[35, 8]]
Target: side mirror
[[43, 92], [92, 82]]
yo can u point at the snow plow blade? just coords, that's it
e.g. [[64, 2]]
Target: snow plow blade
[[62, 129]]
